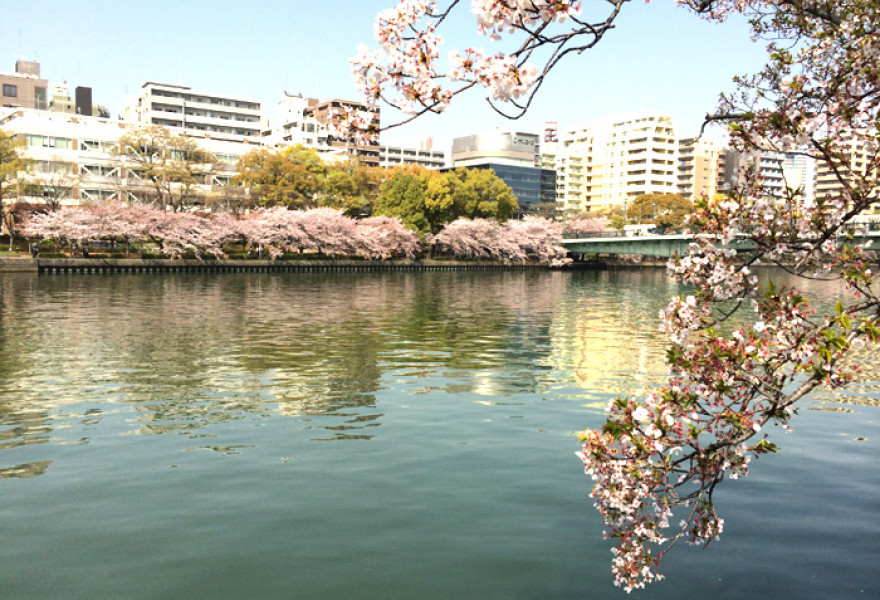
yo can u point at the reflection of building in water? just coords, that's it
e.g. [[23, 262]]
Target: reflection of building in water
[[611, 337], [26, 470]]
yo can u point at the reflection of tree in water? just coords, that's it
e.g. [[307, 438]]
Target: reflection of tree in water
[[490, 331], [193, 350]]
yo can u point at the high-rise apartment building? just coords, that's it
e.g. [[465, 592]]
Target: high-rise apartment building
[[198, 114], [860, 159], [306, 121], [697, 168], [323, 111], [607, 164]]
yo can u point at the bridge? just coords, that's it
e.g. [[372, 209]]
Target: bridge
[[661, 246], [644, 245]]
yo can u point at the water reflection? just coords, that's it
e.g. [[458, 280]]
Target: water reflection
[[190, 351], [25, 471], [184, 352]]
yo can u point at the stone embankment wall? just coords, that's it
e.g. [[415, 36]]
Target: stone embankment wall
[[102, 265]]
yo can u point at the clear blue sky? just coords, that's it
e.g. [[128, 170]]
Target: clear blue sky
[[661, 57]]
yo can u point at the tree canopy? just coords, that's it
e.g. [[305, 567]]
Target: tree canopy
[[664, 210], [426, 200], [12, 163], [168, 166], [292, 177]]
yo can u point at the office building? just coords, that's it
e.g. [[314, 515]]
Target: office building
[[514, 158]]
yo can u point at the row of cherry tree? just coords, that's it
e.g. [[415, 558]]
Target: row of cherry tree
[[658, 460], [278, 231]]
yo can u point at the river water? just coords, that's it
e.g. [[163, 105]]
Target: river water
[[384, 435]]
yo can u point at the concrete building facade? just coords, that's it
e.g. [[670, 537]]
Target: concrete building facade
[[607, 164], [697, 168], [197, 114], [24, 88], [303, 120], [73, 160], [396, 156], [860, 159], [322, 111]]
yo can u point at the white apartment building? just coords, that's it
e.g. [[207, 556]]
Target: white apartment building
[[799, 173], [607, 164], [293, 127], [198, 114], [302, 120], [697, 168], [768, 166], [396, 156], [73, 157], [860, 159]]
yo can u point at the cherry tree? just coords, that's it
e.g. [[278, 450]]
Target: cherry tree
[[386, 238], [328, 231], [475, 239], [658, 460], [67, 225], [538, 238], [576, 227], [532, 239], [274, 230]]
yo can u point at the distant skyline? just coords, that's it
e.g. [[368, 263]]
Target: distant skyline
[[660, 58]]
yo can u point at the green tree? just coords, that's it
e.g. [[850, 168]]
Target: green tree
[[403, 196], [294, 177], [164, 167], [480, 193], [352, 187], [445, 197], [664, 210]]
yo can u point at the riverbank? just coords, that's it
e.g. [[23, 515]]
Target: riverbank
[[24, 264], [119, 265]]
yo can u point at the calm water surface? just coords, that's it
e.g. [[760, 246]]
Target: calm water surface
[[386, 436]]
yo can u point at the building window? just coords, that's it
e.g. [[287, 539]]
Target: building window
[[48, 142], [10, 91]]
